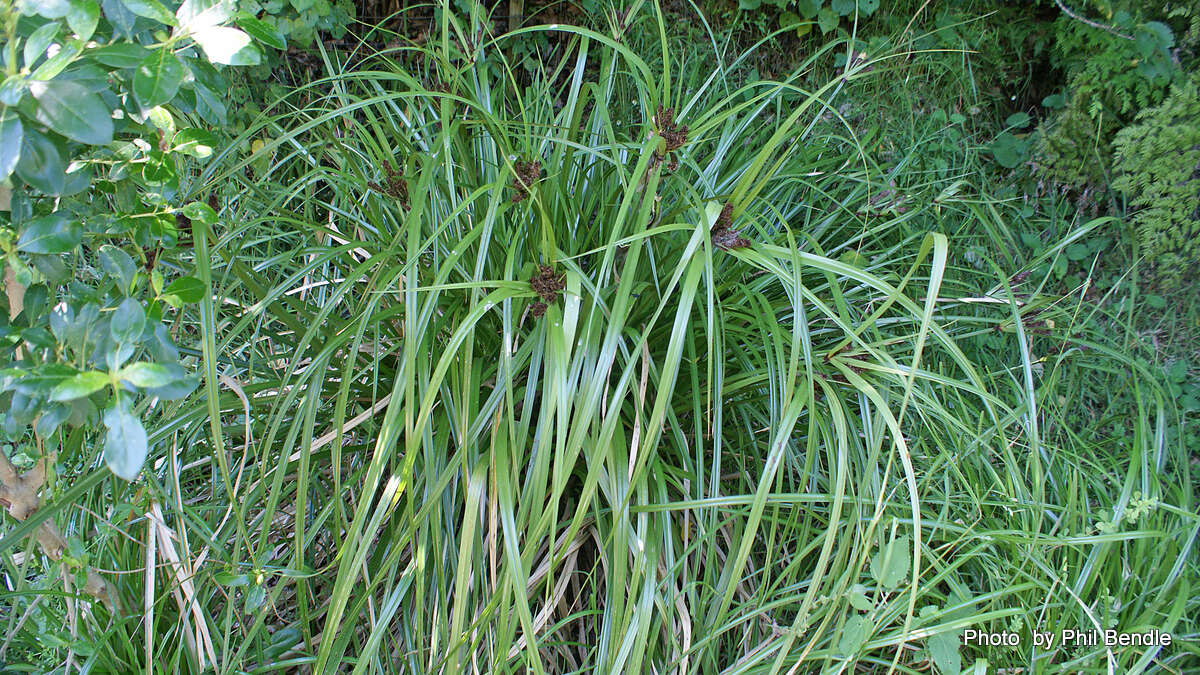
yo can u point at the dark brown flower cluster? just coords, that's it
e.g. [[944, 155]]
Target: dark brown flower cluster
[[526, 174], [547, 284], [395, 185], [675, 135], [723, 234]]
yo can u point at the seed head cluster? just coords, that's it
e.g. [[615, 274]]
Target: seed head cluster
[[546, 283], [526, 174], [675, 135], [723, 234], [395, 185]]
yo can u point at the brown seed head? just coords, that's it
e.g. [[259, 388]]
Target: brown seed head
[[546, 283], [674, 135], [726, 217], [525, 175], [723, 234], [395, 185]]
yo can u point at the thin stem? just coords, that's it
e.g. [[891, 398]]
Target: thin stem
[[1094, 24]]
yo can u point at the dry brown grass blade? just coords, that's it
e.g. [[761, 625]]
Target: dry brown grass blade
[[556, 596], [184, 588]]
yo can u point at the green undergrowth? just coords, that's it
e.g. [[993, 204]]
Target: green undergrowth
[[628, 367]]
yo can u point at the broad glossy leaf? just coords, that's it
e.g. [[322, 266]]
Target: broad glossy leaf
[[123, 21], [77, 180], [83, 17], [128, 322], [187, 289], [37, 336], [9, 377], [41, 163], [57, 63], [118, 264], [162, 120], [209, 105], [90, 76], [55, 233], [227, 46], [254, 598], [159, 168], [231, 579], [13, 88], [194, 15], [158, 78], [51, 266], [50, 419], [118, 353], [83, 384], [1056, 100], [151, 9], [175, 390], [263, 32], [37, 298], [283, 640], [49, 9], [196, 143], [73, 111], [867, 7], [160, 346], [37, 43], [22, 410], [148, 375], [842, 7], [125, 446], [11, 133], [43, 379], [62, 319], [120, 55], [200, 212]]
